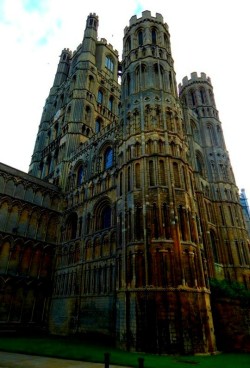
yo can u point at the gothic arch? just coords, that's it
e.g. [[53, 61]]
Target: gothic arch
[[71, 226], [200, 163], [79, 173], [103, 214]]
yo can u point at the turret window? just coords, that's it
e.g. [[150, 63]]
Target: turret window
[[140, 38], [203, 95], [109, 63], [128, 44], [153, 34], [100, 97], [192, 95]]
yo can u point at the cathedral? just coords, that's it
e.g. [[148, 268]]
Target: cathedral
[[130, 206]]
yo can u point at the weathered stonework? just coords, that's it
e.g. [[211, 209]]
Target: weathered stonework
[[131, 191]]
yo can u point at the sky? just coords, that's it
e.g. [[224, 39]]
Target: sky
[[206, 36]]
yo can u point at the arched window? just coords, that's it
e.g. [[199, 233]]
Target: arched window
[[109, 63], [91, 82], [140, 38], [108, 158], [162, 180], [153, 35], [211, 135], [106, 217], [203, 95], [87, 114], [192, 95], [128, 44], [128, 84], [80, 175], [195, 131], [177, 181], [71, 226], [199, 163], [137, 175], [100, 97], [98, 125], [110, 105], [151, 173]]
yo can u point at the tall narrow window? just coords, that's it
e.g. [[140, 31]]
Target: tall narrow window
[[80, 176], [151, 174], [238, 251], [121, 184], [214, 247], [128, 44], [138, 222], [170, 81], [166, 221], [108, 158], [120, 228], [155, 221], [128, 84], [192, 95], [199, 163], [100, 97], [106, 217], [129, 179], [162, 173], [137, 176], [140, 38], [231, 215], [203, 95], [109, 63], [177, 181], [153, 34], [110, 106], [98, 125]]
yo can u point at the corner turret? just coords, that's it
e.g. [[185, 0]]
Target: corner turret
[[63, 68]]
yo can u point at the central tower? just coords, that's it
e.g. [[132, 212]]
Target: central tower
[[163, 296]]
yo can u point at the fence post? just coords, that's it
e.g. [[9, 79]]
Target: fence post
[[106, 360], [140, 362]]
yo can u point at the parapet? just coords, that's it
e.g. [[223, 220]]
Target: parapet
[[194, 78], [111, 48], [146, 14], [66, 51]]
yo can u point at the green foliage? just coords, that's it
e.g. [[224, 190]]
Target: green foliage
[[229, 289]]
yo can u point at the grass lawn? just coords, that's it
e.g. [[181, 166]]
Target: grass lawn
[[81, 350]]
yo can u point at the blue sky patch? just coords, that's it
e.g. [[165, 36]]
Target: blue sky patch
[[139, 8], [31, 6]]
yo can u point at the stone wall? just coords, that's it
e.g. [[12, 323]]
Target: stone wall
[[232, 324]]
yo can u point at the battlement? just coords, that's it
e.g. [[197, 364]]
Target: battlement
[[145, 15], [67, 51], [111, 48], [194, 78]]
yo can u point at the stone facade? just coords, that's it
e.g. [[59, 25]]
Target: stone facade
[[147, 205]]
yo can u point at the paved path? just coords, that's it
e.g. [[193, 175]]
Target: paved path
[[11, 360]]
